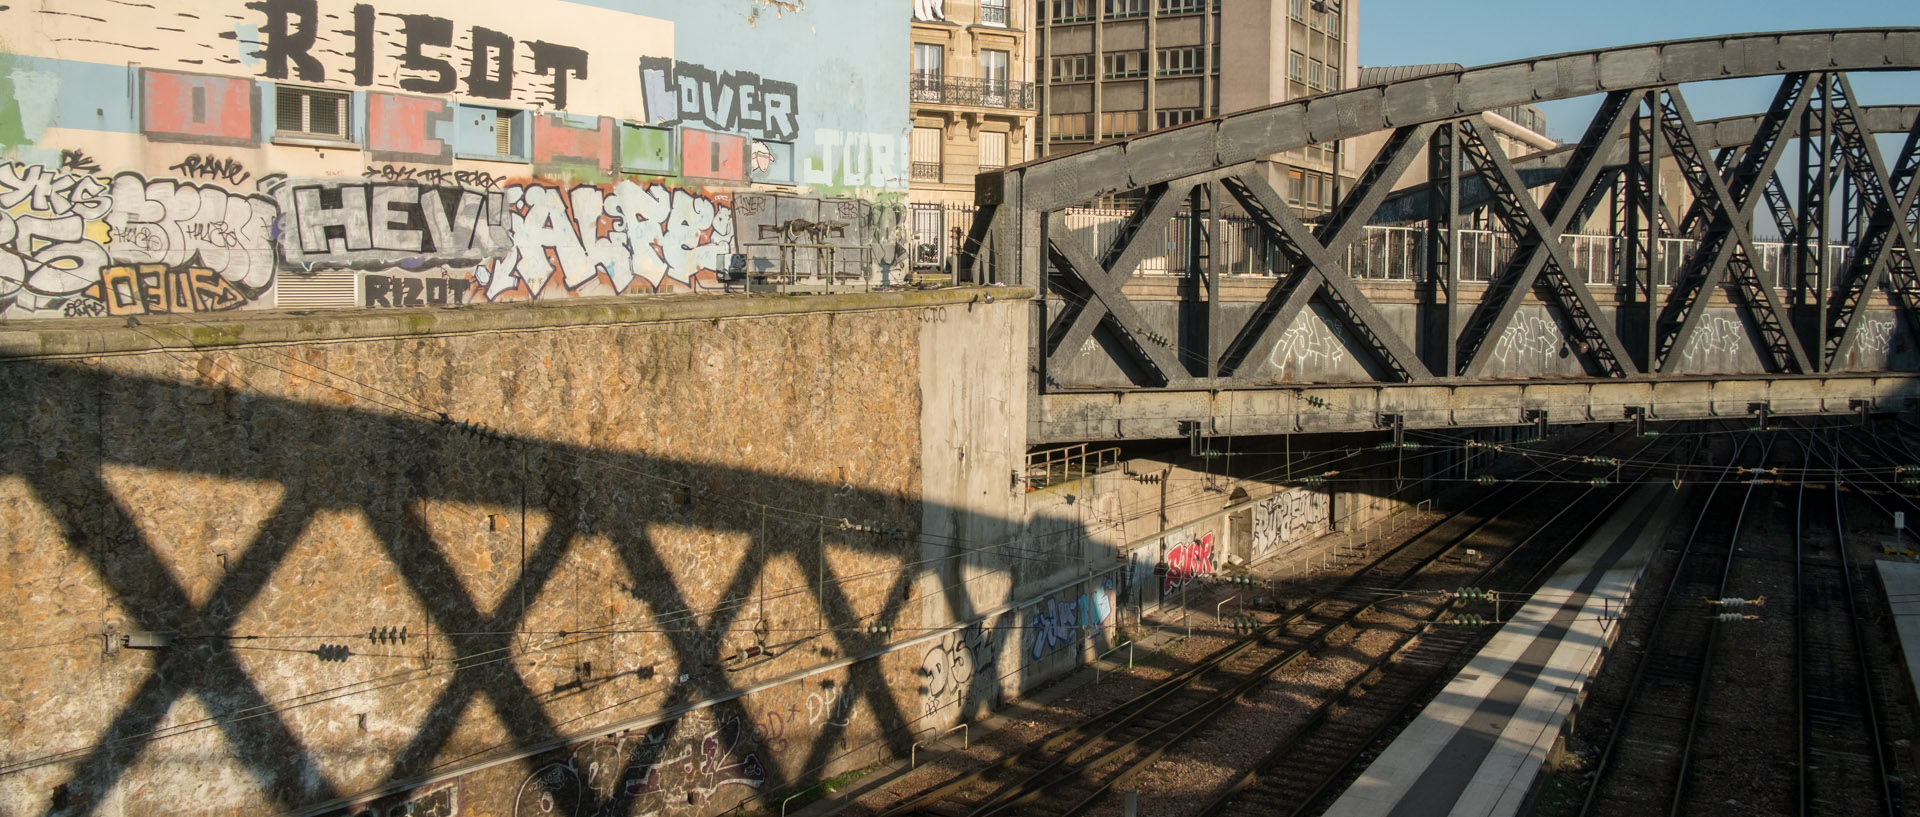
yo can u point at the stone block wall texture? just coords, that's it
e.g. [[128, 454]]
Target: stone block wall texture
[[495, 572]]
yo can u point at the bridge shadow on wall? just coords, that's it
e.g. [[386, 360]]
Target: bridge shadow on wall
[[663, 566]]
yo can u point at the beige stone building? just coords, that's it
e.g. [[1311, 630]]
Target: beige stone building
[[972, 103], [1108, 69]]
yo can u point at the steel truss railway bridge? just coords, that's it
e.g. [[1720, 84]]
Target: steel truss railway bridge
[[1698, 327]]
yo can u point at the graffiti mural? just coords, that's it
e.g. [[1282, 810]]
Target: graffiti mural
[[1056, 624], [1714, 341], [1309, 344], [74, 244], [1187, 561], [414, 290], [1533, 340], [441, 800], [335, 224], [1876, 336], [676, 92], [675, 768], [601, 239], [1289, 518], [959, 668]]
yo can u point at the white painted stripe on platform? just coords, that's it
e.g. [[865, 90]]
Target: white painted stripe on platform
[[1502, 779]]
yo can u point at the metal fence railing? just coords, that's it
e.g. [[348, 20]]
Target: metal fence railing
[[1383, 253]]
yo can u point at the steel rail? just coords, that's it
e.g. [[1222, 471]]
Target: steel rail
[[1610, 753], [1833, 698], [1259, 782], [1135, 709]]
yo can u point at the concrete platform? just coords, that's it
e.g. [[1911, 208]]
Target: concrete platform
[[1476, 749], [1901, 580]]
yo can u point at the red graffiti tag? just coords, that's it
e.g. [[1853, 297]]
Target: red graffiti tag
[[1188, 561]]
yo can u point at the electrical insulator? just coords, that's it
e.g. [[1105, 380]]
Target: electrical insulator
[[1734, 603], [1732, 617]]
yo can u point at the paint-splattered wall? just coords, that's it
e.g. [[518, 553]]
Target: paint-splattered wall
[[213, 155]]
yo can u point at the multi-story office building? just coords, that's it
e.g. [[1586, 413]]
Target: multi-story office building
[[1108, 69]]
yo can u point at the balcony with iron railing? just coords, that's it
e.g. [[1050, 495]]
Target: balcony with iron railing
[[939, 89]]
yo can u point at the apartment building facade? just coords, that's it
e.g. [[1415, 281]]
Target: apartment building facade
[[972, 106]]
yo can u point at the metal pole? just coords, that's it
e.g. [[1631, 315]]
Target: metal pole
[[1820, 214], [1654, 209]]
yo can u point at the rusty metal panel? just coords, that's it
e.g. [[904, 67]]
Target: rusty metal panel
[[1731, 397], [1486, 405], [1075, 178], [1149, 160], [1248, 136], [1323, 119], [1420, 405], [1496, 87], [1695, 60], [1571, 75], [1361, 111], [1561, 402], [1682, 400], [989, 188], [1904, 46], [1421, 100], [1629, 68], [1862, 49], [1804, 52]]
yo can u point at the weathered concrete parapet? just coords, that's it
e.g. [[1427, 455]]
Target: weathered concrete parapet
[[105, 336]]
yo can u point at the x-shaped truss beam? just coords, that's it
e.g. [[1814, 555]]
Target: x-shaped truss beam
[[1879, 251], [1313, 258], [1727, 246], [1539, 248]]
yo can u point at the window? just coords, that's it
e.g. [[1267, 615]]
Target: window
[[1122, 9], [993, 150], [491, 133], [1296, 66], [1073, 68], [1115, 124], [645, 149], [1297, 9], [1071, 127], [1181, 6], [1072, 11], [1123, 64], [1175, 116], [1176, 61], [926, 153], [1313, 75], [1333, 24], [994, 69], [1296, 184], [994, 12], [1333, 78], [310, 113], [928, 69]]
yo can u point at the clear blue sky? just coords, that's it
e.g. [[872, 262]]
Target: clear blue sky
[[1406, 32]]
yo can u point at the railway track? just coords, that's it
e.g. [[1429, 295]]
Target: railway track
[[1068, 772], [1841, 767], [1332, 746], [1644, 767]]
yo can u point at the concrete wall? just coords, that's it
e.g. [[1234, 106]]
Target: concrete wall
[[152, 160], [615, 557]]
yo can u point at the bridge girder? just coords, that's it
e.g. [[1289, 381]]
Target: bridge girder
[[1728, 166]]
